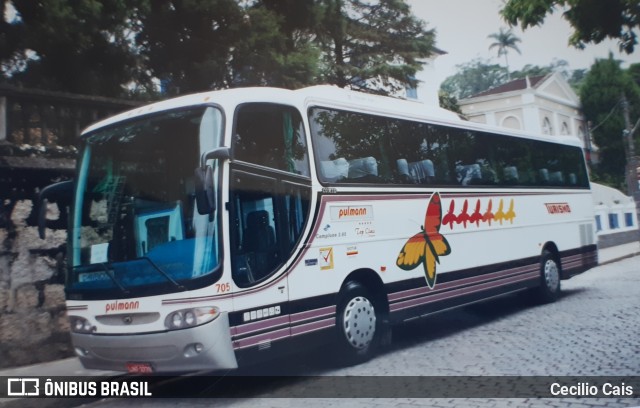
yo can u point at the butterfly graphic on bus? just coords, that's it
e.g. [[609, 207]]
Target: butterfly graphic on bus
[[426, 247]]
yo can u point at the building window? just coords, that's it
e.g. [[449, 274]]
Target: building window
[[613, 221], [511, 122], [628, 219], [547, 129], [598, 223]]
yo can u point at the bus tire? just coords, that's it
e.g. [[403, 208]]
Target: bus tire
[[549, 289], [358, 325]]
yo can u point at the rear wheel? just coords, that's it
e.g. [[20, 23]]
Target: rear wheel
[[358, 324], [549, 289]]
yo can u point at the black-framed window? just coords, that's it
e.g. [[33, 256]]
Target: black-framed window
[[268, 216], [352, 147], [272, 136]]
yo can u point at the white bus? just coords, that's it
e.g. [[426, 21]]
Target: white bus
[[220, 228]]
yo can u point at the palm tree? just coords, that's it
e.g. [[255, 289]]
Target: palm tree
[[505, 40]]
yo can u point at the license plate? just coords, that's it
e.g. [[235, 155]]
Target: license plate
[[139, 368]]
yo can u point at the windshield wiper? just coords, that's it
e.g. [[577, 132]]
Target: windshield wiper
[[163, 273], [111, 275]]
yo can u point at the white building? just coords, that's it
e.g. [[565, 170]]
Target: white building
[[427, 90], [547, 105], [614, 211], [541, 104]]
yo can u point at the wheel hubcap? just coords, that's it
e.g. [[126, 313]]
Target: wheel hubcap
[[359, 322], [551, 275]]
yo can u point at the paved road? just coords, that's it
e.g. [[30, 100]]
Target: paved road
[[593, 330]]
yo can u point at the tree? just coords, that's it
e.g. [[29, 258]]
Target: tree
[[187, 45], [601, 94], [374, 46], [557, 65], [575, 77], [11, 36], [505, 40], [448, 102], [480, 75], [78, 46], [634, 72], [113, 48], [472, 78], [592, 20], [277, 48]]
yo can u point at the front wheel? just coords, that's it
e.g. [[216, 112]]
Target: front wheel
[[358, 325], [549, 289]]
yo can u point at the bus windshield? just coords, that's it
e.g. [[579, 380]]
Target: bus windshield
[[136, 228]]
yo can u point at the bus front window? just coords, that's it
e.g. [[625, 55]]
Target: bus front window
[[136, 226]]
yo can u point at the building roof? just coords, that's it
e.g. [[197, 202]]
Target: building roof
[[608, 196], [515, 85]]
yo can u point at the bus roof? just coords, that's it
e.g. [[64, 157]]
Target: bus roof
[[332, 96], [225, 97], [329, 96]]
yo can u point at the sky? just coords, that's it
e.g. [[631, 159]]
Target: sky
[[462, 27]]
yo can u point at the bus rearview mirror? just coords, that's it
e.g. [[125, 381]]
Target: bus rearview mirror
[[205, 193]]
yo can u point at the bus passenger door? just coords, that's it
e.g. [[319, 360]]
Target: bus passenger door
[[267, 215], [254, 244], [270, 190]]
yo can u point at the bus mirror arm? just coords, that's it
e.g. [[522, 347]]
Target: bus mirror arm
[[221, 153], [60, 193]]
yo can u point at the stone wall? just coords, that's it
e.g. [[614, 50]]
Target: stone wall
[[33, 322]]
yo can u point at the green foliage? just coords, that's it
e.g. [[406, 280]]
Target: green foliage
[[530, 70], [480, 75], [449, 102], [74, 46], [504, 41], [372, 46], [573, 77], [472, 78], [11, 42], [576, 79], [120, 47], [634, 73], [272, 53], [186, 44], [203, 44], [557, 65], [601, 95], [592, 20]]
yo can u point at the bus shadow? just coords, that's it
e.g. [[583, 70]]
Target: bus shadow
[[451, 322], [447, 323], [429, 328], [408, 334], [282, 373]]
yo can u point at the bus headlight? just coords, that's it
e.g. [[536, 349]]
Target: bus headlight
[[181, 319], [80, 325]]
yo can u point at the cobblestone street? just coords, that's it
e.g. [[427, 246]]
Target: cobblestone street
[[591, 331]]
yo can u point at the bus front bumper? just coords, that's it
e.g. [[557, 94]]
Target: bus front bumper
[[204, 347]]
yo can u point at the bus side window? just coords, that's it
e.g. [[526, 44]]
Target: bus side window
[[255, 244], [418, 172], [259, 243], [269, 215], [272, 136], [253, 234]]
